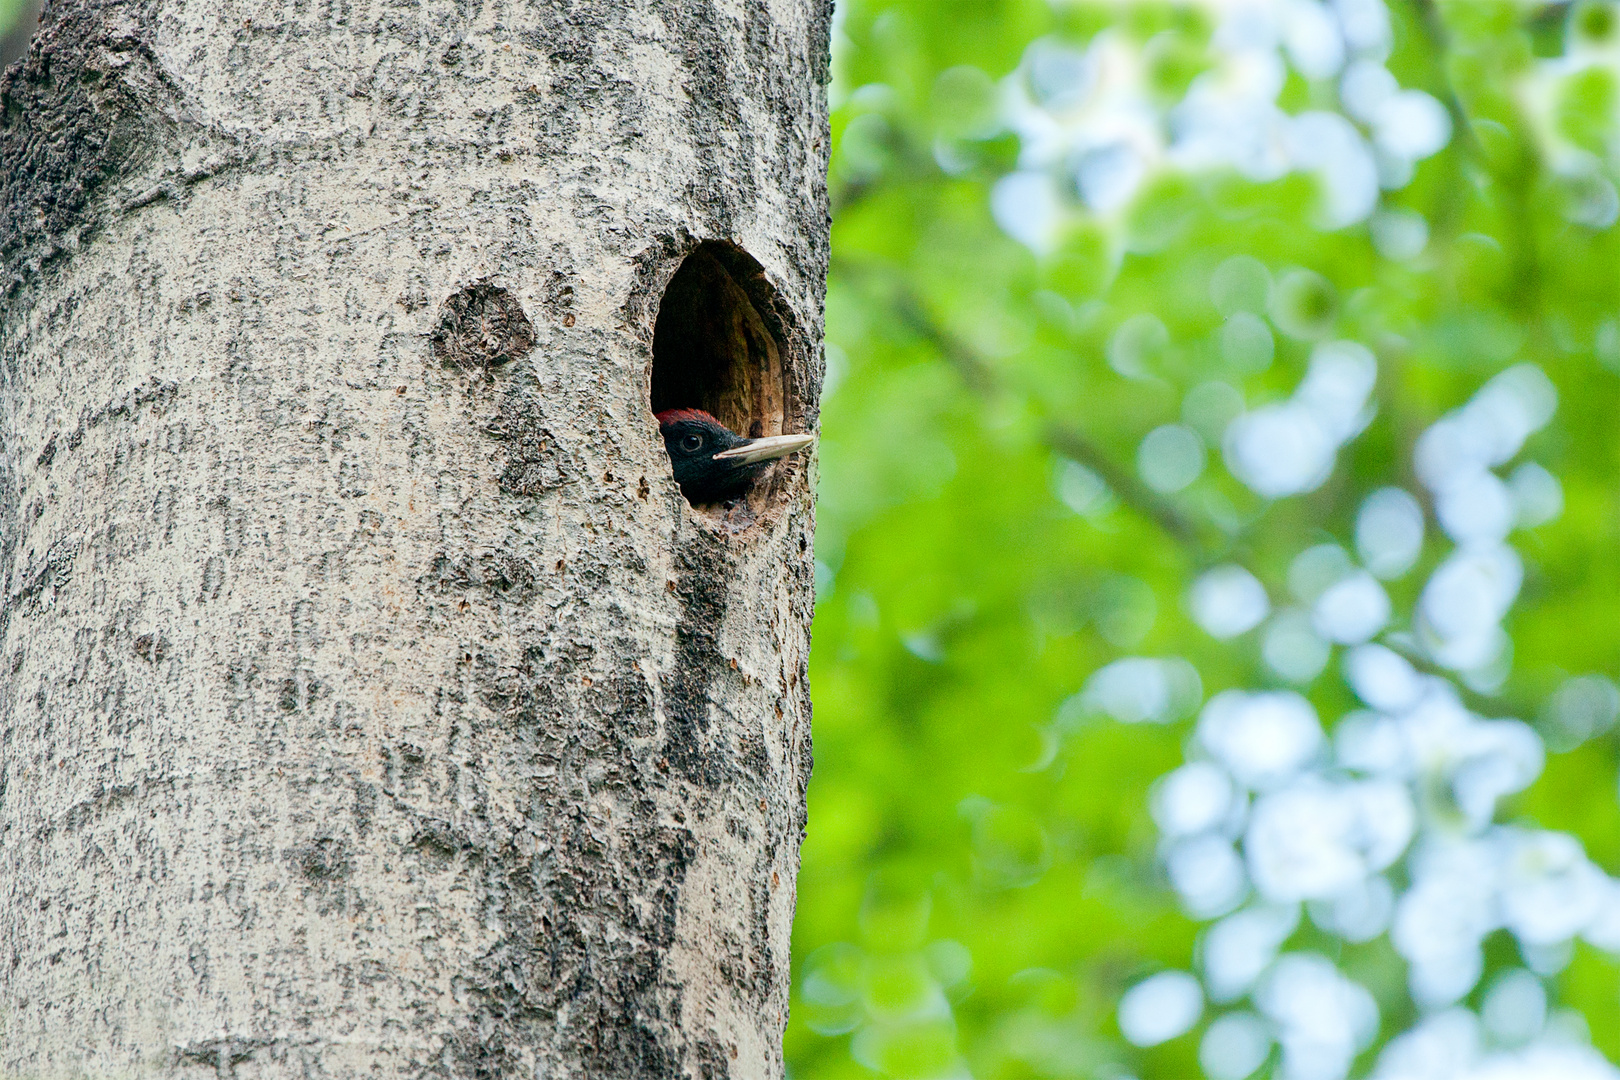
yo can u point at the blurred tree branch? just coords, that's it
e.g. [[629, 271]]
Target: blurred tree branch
[[1062, 437], [1515, 173]]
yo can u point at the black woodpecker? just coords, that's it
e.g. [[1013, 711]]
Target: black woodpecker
[[712, 462]]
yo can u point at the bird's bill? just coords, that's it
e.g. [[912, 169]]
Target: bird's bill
[[772, 446]]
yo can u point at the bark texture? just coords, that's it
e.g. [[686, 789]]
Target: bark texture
[[371, 701]]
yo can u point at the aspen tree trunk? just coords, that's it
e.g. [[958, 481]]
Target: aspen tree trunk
[[371, 701]]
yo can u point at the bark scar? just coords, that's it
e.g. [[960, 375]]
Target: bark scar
[[481, 326]]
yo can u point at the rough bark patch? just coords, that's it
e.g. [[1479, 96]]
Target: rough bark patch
[[480, 327]]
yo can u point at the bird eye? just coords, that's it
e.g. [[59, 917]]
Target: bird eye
[[692, 442]]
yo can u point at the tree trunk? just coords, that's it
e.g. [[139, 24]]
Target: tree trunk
[[371, 701]]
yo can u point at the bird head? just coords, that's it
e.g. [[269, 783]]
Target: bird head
[[711, 461]]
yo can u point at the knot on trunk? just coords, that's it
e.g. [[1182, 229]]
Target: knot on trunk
[[481, 326]]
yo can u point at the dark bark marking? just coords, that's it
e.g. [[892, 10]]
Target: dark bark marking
[[90, 107], [298, 691], [437, 843], [322, 860], [222, 1055], [535, 462], [213, 579], [498, 573], [59, 140], [481, 326], [627, 700], [559, 300], [152, 647], [51, 572], [714, 1060], [365, 806], [702, 586], [587, 925]]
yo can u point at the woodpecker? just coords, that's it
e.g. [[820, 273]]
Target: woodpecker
[[713, 463]]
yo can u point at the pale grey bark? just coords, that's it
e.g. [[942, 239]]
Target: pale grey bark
[[371, 701]]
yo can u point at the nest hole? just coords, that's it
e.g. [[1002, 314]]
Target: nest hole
[[723, 344], [719, 345]]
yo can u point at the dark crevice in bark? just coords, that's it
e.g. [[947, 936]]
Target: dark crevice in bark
[[702, 587], [588, 907]]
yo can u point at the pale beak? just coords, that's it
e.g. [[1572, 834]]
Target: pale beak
[[772, 446]]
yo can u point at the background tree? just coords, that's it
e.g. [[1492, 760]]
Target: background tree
[[1215, 645], [17, 19], [372, 701]]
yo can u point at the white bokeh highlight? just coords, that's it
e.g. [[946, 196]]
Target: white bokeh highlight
[[1227, 601], [1288, 448], [1093, 132], [1160, 1008]]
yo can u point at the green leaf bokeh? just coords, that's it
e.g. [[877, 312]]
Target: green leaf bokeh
[[981, 879]]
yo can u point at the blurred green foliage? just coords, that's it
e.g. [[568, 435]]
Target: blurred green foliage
[[980, 880], [10, 12]]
